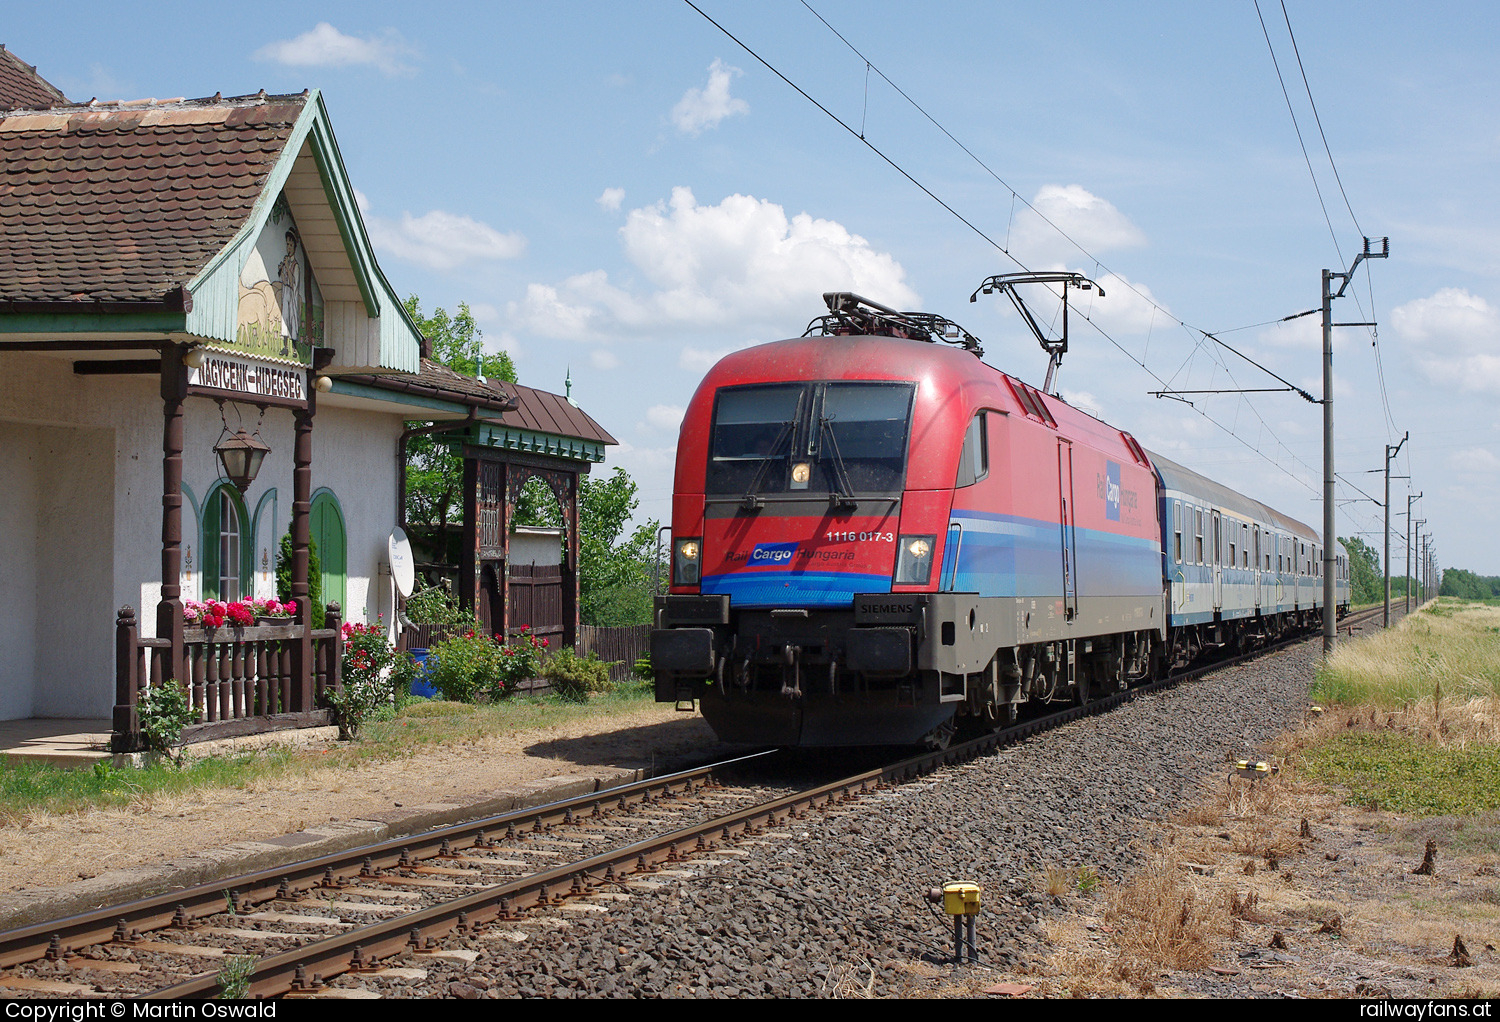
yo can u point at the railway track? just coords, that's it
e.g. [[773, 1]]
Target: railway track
[[289, 930]]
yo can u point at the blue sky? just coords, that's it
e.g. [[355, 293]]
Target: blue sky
[[620, 190]]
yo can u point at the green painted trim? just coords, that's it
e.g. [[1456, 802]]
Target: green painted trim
[[341, 202], [209, 548], [532, 442], [52, 323], [346, 388]]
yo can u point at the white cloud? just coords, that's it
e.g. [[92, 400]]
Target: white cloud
[[1454, 337], [667, 418], [1093, 223], [611, 199], [604, 359], [442, 241], [706, 107], [1474, 460], [1127, 307], [1084, 402], [741, 261], [326, 46], [700, 360]]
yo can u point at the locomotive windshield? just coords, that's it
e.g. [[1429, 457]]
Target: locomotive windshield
[[813, 438]]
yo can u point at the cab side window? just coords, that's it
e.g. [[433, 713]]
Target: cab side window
[[974, 461]]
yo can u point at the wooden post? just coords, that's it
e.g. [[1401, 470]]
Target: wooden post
[[570, 601], [469, 562], [303, 664], [333, 617], [169, 622], [127, 724]]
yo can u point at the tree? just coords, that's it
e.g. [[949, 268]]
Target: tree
[[1469, 586], [616, 571], [1366, 580], [434, 473]]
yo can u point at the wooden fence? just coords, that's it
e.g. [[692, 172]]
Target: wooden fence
[[622, 645]]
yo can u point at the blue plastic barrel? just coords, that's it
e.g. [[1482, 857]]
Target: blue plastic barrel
[[422, 687]]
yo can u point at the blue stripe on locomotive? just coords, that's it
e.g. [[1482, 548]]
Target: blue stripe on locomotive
[[1006, 555], [793, 588]]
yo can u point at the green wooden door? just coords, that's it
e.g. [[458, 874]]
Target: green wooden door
[[328, 532]]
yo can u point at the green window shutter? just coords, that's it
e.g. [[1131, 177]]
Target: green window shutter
[[329, 533]]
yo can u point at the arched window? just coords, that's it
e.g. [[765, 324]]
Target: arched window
[[226, 545]]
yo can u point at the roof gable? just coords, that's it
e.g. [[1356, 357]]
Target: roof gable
[[158, 206], [22, 88]]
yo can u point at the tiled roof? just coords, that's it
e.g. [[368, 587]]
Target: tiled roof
[[534, 409], [126, 202], [22, 88]]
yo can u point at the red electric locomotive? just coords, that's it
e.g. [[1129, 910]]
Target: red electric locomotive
[[874, 534]]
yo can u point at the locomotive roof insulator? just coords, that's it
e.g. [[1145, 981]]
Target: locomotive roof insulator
[[1006, 284], [851, 314]]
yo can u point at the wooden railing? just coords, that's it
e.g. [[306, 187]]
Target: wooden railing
[[239, 680]]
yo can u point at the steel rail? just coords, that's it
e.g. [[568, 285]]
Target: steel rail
[[58, 937]]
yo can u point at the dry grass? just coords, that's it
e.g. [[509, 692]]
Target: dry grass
[[1448, 652], [1163, 922]]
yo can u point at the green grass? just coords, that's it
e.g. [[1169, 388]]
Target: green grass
[[30, 787], [27, 788], [1422, 706], [1387, 771]]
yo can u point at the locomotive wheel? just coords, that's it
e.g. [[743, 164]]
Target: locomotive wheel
[[938, 738], [1082, 693]]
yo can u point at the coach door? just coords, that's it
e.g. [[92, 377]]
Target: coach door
[[1218, 562], [1258, 564], [1065, 519]]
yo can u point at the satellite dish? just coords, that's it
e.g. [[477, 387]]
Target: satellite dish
[[403, 565]]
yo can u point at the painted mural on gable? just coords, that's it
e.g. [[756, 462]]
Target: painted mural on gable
[[281, 307]]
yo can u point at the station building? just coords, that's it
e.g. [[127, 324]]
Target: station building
[[181, 280]]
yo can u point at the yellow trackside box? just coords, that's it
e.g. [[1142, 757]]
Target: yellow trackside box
[[961, 899]]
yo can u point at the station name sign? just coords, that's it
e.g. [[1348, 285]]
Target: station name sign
[[249, 377]]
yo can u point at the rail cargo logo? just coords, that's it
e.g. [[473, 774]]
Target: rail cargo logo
[[772, 553], [1111, 491]]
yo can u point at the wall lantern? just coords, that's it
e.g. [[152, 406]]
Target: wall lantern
[[241, 454]]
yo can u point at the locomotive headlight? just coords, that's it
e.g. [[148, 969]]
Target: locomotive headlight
[[801, 473], [914, 560], [685, 562]]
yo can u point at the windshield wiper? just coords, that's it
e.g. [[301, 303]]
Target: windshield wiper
[[841, 496], [752, 502]]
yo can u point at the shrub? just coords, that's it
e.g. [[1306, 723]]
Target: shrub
[[163, 713], [367, 682], [520, 659], [314, 577], [573, 677], [435, 605], [467, 666]]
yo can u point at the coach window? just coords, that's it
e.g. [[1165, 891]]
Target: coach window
[[974, 462], [1198, 513], [1177, 528]]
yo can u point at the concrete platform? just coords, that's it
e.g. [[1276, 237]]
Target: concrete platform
[[56, 740]]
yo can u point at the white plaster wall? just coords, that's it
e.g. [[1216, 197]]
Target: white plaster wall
[[98, 503], [18, 453]]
